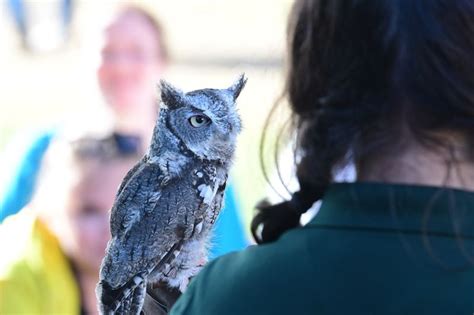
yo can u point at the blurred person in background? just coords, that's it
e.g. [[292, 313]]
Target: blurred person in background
[[134, 56], [51, 251], [388, 86]]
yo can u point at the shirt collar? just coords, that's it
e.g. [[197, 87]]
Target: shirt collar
[[405, 208]]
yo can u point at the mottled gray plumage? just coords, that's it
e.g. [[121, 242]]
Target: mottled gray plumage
[[167, 204]]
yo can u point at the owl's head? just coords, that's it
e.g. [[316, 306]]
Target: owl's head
[[206, 121]]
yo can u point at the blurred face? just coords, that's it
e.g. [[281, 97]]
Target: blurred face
[[131, 65], [86, 215]]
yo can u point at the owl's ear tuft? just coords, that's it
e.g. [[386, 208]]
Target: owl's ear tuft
[[170, 95], [238, 85]]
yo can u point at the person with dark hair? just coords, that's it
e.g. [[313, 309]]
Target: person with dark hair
[[386, 86]]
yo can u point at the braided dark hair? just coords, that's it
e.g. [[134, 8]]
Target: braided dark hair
[[364, 77]]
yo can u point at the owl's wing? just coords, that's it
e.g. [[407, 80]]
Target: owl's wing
[[129, 298], [137, 217], [138, 193], [129, 175]]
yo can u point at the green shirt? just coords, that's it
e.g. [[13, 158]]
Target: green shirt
[[371, 249]]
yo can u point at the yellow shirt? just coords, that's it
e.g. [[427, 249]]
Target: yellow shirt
[[35, 276]]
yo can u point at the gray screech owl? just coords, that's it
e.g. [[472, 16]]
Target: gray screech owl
[[166, 206]]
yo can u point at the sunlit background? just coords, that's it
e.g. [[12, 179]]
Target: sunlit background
[[49, 77]]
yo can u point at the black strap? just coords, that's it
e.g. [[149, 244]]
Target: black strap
[[159, 299]]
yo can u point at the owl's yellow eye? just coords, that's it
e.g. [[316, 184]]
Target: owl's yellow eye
[[198, 121]]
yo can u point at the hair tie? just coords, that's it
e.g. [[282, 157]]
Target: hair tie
[[301, 203]]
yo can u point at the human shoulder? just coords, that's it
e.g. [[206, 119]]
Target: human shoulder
[[19, 167], [34, 266], [245, 282], [17, 278], [16, 233], [27, 146]]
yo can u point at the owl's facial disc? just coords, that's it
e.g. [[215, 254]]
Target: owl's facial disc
[[206, 120], [205, 128]]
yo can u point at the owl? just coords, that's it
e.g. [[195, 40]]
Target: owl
[[165, 208]]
